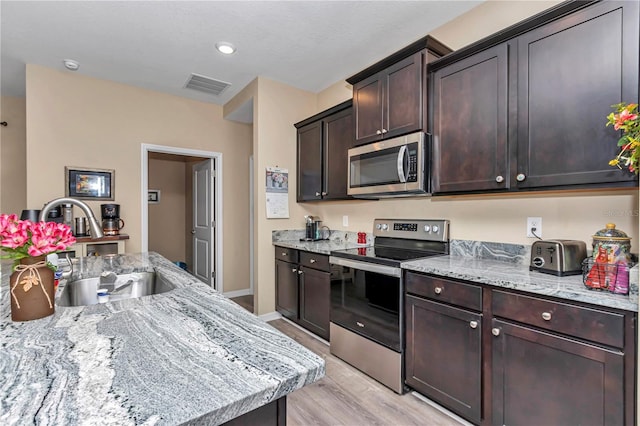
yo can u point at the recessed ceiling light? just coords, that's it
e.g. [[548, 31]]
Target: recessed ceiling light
[[226, 48], [71, 65]]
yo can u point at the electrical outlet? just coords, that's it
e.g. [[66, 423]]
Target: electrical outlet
[[345, 220], [534, 225]]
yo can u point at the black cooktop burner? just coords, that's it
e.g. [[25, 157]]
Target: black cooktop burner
[[390, 256]]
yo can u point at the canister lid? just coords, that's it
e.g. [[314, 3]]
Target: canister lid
[[611, 233]]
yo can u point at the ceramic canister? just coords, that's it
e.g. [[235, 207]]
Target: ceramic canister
[[616, 243]]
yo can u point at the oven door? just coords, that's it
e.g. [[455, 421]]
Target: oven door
[[391, 166], [366, 299]]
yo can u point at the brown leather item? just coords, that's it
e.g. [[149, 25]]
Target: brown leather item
[[32, 290]]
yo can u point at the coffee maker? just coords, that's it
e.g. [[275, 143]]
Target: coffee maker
[[312, 228], [111, 221]]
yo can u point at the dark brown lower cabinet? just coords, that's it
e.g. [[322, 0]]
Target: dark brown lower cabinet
[[303, 289], [287, 289], [544, 379], [315, 298], [506, 357], [443, 355]]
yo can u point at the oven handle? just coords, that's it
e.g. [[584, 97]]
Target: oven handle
[[366, 266], [400, 164]]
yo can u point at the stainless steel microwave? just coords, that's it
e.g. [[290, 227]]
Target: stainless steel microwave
[[391, 168]]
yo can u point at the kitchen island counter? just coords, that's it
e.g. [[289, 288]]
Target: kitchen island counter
[[517, 276], [188, 355]]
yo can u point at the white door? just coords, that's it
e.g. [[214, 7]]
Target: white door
[[203, 222]]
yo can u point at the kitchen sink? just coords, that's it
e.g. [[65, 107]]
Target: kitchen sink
[[122, 286]]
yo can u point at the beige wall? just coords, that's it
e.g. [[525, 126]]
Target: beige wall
[[166, 234], [13, 175], [486, 19], [81, 121], [276, 108]]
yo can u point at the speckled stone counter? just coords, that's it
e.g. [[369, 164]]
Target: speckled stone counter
[[515, 275], [188, 354], [335, 241]]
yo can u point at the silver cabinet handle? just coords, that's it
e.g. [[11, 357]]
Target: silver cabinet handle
[[437, 290], [312, 261], [317, 194], [499, 179], [546, 316], [284, 253], [324, 193], [473, 324], [300, 272], [378, 132], [495, 331], [360, 324], [520, 177], [294, 270], [384, 131]]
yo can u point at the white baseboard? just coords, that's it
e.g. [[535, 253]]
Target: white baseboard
[[271, 316], [237, 293]]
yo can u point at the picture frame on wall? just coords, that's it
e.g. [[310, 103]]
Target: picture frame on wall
[[91, 184], [154, 196]]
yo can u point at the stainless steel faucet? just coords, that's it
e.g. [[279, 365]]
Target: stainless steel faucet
[[96, 229]]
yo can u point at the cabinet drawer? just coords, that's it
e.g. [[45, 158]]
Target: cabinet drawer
[[314, 260], [585, 323], [287, 254], [453, 292]]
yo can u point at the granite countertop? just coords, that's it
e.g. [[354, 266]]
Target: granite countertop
[[188, 354], [517, 276], [496, 264]]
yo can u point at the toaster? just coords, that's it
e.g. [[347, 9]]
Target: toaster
[[558, 257]]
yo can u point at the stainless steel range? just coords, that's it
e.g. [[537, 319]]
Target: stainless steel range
[[366, 328]]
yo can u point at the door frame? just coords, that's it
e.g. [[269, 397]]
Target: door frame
[[216, 199]]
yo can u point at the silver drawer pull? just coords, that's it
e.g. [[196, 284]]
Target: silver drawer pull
[[499, 179], [546, 316], [294, 270], [312, 261], [521, 177], [300, 272], [284, 253], [378, 132], [438, 290], [473, 324], [495, 331], [360, 324]]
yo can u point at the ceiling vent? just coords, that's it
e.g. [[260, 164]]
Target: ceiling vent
[[206, 84]]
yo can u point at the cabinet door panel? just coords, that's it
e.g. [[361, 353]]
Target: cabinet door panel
[[310, 162], [315, 297], [367, 101], [576, 383], [443, 358], [470, 123], [339, 137], [403, 95], [570, 72], [287, 289]]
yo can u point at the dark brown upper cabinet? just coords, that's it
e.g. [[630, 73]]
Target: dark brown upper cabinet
[[389, 97], [526, 109], [323, 142]]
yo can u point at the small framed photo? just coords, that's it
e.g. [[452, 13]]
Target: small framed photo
[[94, 184], [154, 196]]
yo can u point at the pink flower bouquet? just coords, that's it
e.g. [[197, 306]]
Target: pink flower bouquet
[[23, 238]]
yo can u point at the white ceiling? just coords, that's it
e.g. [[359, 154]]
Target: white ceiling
[[157, 44]]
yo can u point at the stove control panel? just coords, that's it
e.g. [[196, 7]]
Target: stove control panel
[[416, 229]]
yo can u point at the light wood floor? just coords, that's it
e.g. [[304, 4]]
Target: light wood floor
[[345, 396]]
